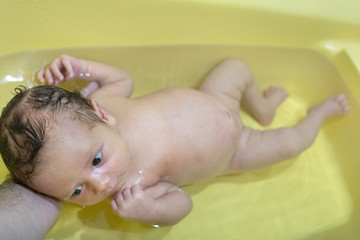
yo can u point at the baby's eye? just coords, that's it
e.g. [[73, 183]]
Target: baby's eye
[[97, 159], [77, 191]]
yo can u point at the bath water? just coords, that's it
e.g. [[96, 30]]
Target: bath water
[[295, 199]]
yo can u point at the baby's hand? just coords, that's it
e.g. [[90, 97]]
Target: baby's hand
[[61, 69], [133, 203]]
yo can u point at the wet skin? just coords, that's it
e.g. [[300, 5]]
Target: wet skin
[[140, 147]]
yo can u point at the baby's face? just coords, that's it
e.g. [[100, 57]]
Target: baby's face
[[81, 165]]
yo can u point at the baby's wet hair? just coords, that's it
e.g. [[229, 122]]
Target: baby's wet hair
[[26, 118]]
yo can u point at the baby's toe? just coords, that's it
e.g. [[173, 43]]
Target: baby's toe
[[343, 103]]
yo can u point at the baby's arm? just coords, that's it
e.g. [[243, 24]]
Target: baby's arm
[[163, 204], [100, 76], [25, 214]]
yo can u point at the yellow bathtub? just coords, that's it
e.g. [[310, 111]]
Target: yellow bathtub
[[312, 48]]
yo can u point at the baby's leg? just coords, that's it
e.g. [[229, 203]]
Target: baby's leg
[[232, 81], [258, 149]]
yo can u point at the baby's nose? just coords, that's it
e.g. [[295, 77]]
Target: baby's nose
[[100, 183]]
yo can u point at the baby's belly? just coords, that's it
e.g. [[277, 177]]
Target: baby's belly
[[202, 143], [186, 136]]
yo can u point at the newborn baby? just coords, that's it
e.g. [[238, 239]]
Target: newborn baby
[[137, 151]]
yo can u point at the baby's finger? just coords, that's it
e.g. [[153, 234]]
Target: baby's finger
[[136, 189], [114, 205], [49, 77], [67, 64], [41, 76], [55, 67], [126, 193], [119, 198]]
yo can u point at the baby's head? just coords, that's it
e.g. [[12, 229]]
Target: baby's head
[[40, 129], [26, 118]]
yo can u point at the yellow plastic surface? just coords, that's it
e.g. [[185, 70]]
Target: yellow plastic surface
[[311, 51]]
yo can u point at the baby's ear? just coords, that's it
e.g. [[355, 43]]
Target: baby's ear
[[105, 116]]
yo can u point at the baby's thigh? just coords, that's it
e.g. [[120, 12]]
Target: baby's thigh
[[227, 82], [229, 74], [257, 149]]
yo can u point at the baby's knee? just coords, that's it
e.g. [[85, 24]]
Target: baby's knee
[[239, 69], [236, 64]]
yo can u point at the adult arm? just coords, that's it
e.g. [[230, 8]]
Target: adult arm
[[25, 214]]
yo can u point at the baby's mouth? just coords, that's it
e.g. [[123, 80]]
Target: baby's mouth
[[118, 187], [114, 192]]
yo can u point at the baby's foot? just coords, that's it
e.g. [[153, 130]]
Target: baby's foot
[[273, 97], [333, 106]]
